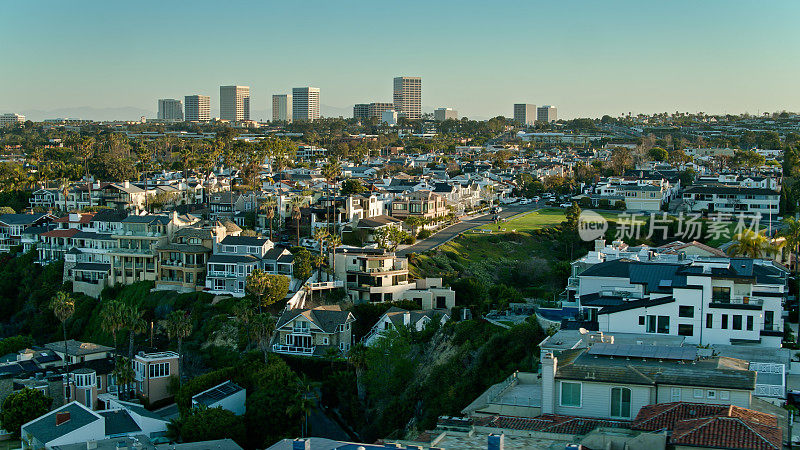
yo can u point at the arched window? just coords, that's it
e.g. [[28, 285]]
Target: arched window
[[620, 402]]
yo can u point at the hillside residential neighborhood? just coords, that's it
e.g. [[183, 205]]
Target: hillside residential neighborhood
[[498, 226]]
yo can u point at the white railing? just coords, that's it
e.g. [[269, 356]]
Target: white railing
[[281, 348], [326, 285]]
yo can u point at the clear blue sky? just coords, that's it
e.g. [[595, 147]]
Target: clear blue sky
[[586, 57]]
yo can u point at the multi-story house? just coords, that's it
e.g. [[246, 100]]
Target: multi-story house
[[236, 256], [312, 332], [12, 227], [732, 200], [616, 381], [423, 204], [182, 262], [706, 300], [135, 253], [371, 275], [46, 199], [229, 203], [152, 373]]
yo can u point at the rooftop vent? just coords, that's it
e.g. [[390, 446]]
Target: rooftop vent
[[62, 417]]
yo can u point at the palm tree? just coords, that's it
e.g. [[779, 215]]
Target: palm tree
[[263, 325], [304, 402], [65, 191], [357, 357], [179, 326], [296, 215], [63, 307], [112, 318], [135, 324], [752, 244], [268, 207], [330, 171], [334, 241], [123, 372], [792, 234]]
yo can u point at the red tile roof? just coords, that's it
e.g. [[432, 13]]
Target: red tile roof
[[665, 416], [727, 432], [61, 233], [551, 423]]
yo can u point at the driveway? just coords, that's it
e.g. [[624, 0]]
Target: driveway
[[454, 230]]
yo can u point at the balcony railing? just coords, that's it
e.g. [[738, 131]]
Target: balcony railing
[[281, 348], [298, 330]]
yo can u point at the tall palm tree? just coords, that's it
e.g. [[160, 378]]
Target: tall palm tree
[[135, 324], [334, 241], [112, 319], [63, 307], [357, 357], [304, 402], [296, 215], [65, 191], [792, 234], [268, 208], [321, 236], [330, 171], [179, 326], [263, 325], [123, 373]]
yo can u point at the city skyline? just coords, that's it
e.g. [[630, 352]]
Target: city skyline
[[617, 58]]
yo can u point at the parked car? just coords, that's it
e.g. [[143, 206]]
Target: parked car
[[536, 199], [565, 205]]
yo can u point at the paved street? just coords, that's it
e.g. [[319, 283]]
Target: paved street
[[454, 230]]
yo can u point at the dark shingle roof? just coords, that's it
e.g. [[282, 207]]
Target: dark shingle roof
[[325, 318], [119, 422], [45, 429]]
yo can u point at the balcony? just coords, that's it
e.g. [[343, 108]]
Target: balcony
[[304, 331], [294, 350]]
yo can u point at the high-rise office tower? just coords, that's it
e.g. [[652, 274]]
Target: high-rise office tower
[[282, 107], [305, 103], [198, 108], [170, 109], [546, 113], [524, 113], [408, 97], [442, 114], [234, 103]]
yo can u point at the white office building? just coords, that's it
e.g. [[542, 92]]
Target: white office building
[[305, 103], [442, 114], [170, 109], [546, 113], [389, 117], [282, 108], [198, 108], [525, 113], [11, 119], [234, 103], [408, 97]]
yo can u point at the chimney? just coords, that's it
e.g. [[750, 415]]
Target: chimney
[[496, 441], [62, 417], [126, 184], [301, 444], [599, 245], [549, 367], [406, 318]]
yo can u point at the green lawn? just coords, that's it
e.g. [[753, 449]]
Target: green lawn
[[545, 217]]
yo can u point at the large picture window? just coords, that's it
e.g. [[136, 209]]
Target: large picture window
[[570, 394], [620, 402]]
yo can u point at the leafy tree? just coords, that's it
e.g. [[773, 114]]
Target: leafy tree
[[21, 407], [261, 329], [206, 424], [7, 210], [352, 186], [14, 344], [658, 154], [302, 263], [267, 288]]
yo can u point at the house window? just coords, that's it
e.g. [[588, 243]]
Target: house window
[[711, 394], [99, 383], [325, 340], [620, 402], [709, 320], [441, 302], [749, 323], [570, 394], [641, 320], [658, 324], [724, 395], [676, 394], [721, 294], [158, 370], [685, 329], [737, 322], [698, 393], [686, 311], [724, 321]]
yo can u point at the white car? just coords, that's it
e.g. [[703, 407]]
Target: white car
[[536, 199], [565, 205]]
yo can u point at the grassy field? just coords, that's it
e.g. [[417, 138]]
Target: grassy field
[[545, 217]]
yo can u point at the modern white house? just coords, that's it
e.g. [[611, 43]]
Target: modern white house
[[396, 318], [227, 395], [732, 200]]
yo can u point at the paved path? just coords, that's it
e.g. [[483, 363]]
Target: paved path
[[454, 230]]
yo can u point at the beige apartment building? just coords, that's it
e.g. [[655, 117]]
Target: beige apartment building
[[152, 372], [408, 97], [234, 103], [422, 204]]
